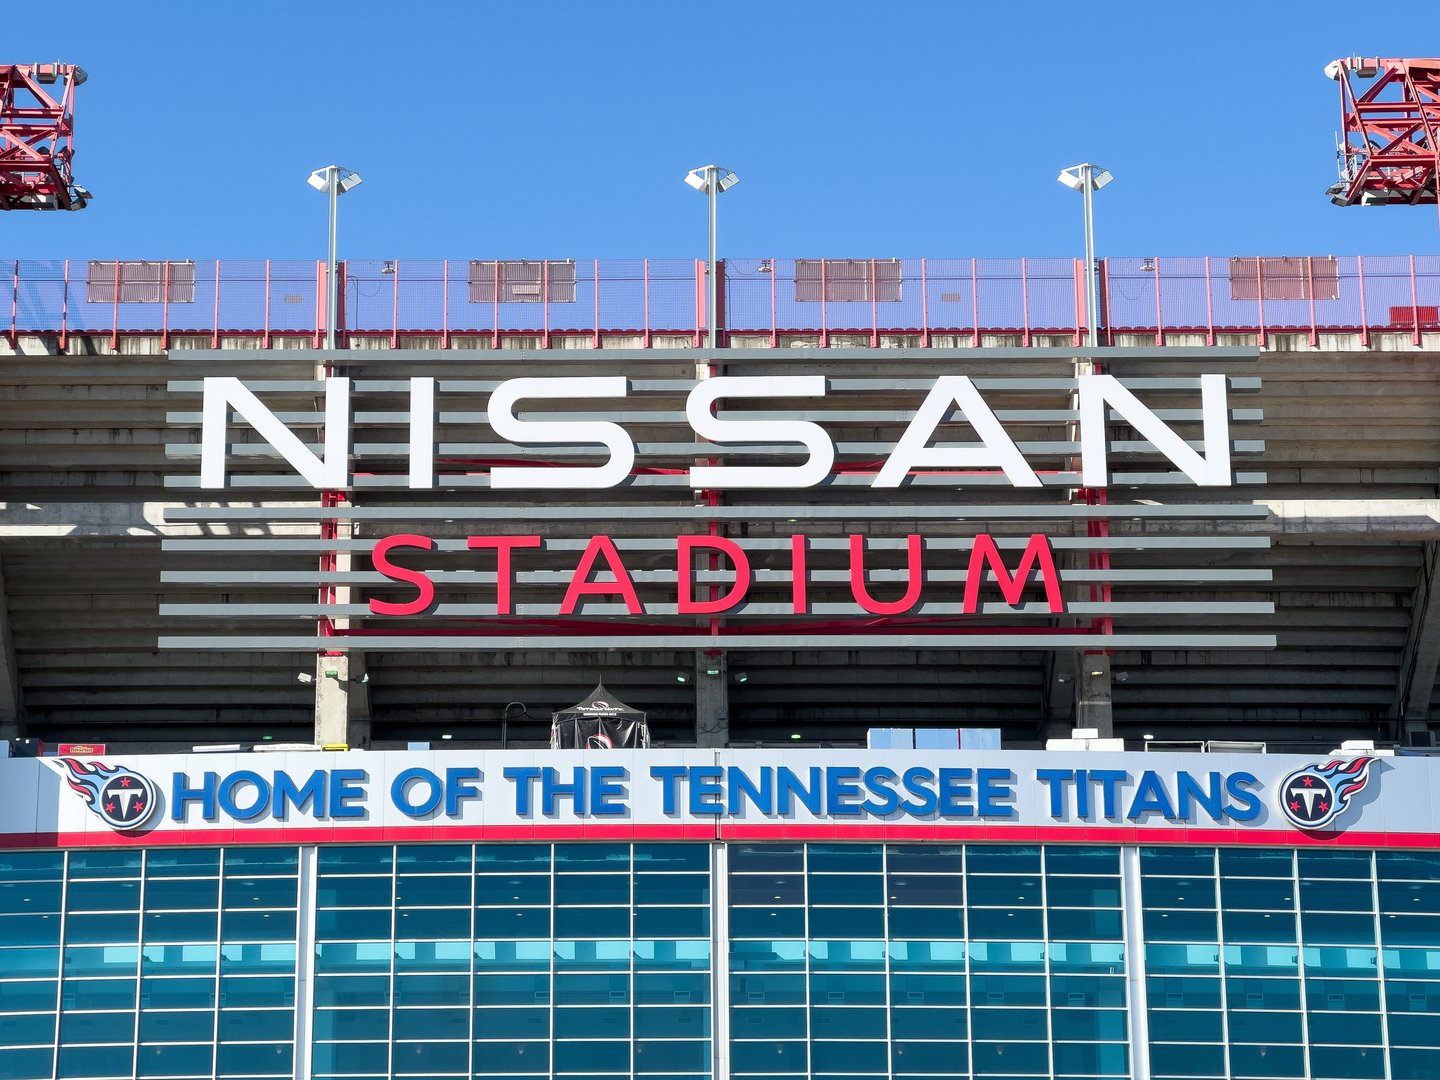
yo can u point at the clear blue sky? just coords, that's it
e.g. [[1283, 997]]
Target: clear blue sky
[[560, 129]]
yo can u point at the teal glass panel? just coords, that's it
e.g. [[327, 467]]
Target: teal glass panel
[[490, 1058], [770, 1056], [512, 889], [1265, 1060], [1088, 990], [671, 857], [1088, 1025], [1256, 862], [197, 993], [925, 858], [1002, 859], [512, 989], [262, 892], [1257, 894], [31, 865], [996, 924], [679, 922], [675, 988], [766, 858], [96, 960], [351, 1058], [1183, 1060], [847, 989], [847, 922], [99, 993], [22, 962], [182, 893], [922, 890], [26, 996], [352, 924], [1010, 990], [1005, 890], [417, 1058], [834, 1057], [512, 858], [1409, 963], [1009, 1023], [1412, 996], [1343, 995], [257, 926], [1352, 896], [157, 1026], [767, 1023], [1352, 1029], [97, 929], [181, 862], [1408, 1064], [1275, 1027], [592, 955], [433, 923], [1260, 927], [1099, 859], [597, 922], [1110, 1059], [661, 955], [180, 959], [76, 1061], [1340, 962], [1346, 1063], [239, 1025], [1185, 1026], [29, 897], [1410, 929], [846, 955], [354, 892], [422, 891], [1189, 993], [932, 923], [926, 955], [930, 989], [434, 858], [587, 890], [30, 930], [592, 989], [242, 862], [783, 955], [928, 1023], [1261, 959], [1003, 956], [351, 1024], [105, 863], [1333, 863], [1086, 892], [672, 889], [1011, 1058], [1185, 894], [592, 857], [592, 1022], [1408, 865], [672, 1023], [329, 990], [32, 1064], [844, 858], [592, 1057], [1263, 993], [357, 859], [520, 1024], [267, 959], [30, 1030], [1173, 861], [1080, 925], [656, 1057], [518, 923], [255, 1059], [174, 1060], [768, 989], [1182, 959], [846, 1022], [1332, 929], [525, 955], [81, 1028], [766, 889], [1076, 956], [103, 896], [1180, 926], [178, 926], [768, 923], [454, 956], [431, 1023], [846, 889], [1410, 897]]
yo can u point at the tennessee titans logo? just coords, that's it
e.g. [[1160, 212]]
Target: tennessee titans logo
[[1313, 797], [121, 798]]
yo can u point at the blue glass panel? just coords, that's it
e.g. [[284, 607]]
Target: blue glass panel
[[1257, 894], [29, 897], [847, 889], [672, 955], [94, 1061], [1410, 897], [768, 989], [99, 993], [1351, 1029], [512, 989], [512, 889], [592, 1057], [521, 1024], [244, 862], [28, 1031], [182, 893], [1011, 1058], [672, 857], [255, 1059], [847, 1022], [847, 922], [1024, 924], [852, 1056], [21, 962], [1260, 927], [767, 1023], [1263, 993], [103, 896], [489, 956], [1262, 959], [436, 890], [1336, 896], [1099, 859], [31, 1064], [156, 1026], [354, 892], [1405, 963], [844, 858], [767, 889], [592, 857], [1002, 859], [30, 930], [105, 863], [177, 959], [691, 1056], [1275, 1027], [672, 989], [783, 955], [1007, 989], [1186, 1026], [433, 923], [586, 890], [517, 923], [1346, 1063], [1184, 894], [1085, 892], [511, 1057], [1088, 990], [95, 929], [927, 955], [767, 922], [846, 955], [927, 923], [847, 989], [239, 1025], [925, 858], [352, 924], [1088, 1025], [92, 1028], [1406, 1064], [266, 959], [190, 993], [1110, 1059], [592, 989], [1075, 956], [431, 990], [257, 926], [1190, 993], [1080, 925], [512, 858], [1194, 1060], [1170, 861], [1408, 865], [416, 1058], [329, 990], [593, 955], [1344, 995], [356, 859], [245, 893], [672, 1023], [25, 996], [1005, 890], [671, 921], [766, 858], [31, 865], [592, 1022], [1256, 862], [672, 889], [597, 922], [1410, 929], [174, 1060], [1412, 996], [434, 858], [1001, 956], [1182, 959], [351, 1058], [176, 926], [1330, 929], [1340, 962], [94, 960], [772, 1055], [1333, 863], [1265, 1060], [1009, 1023], [919, 890], [1180, 925], [928, 1023], [431, 1023]]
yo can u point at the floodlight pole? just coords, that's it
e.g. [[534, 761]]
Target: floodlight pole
[[1092, 284], [332, 297], [712, 195]]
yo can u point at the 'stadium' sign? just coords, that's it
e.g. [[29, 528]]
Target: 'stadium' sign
[[947, 498]]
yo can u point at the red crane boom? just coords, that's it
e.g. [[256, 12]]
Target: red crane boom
[[1389, 151], [37, 137]]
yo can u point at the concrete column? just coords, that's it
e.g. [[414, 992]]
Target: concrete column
[[342, 702], [10, 726], [1093, 694], [712, 700]]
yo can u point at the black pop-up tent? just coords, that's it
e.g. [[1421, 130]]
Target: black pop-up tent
[[600, 722]]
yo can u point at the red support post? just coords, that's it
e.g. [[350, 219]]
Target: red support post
[[774, 317], [1260, 302], [1209, 306], [395, 308], [165, 307], [700, 271], [495, 326], [824, 307], [646, 339], [65, 312], [545, 301], [15, 309], [115, 313], [924, 306], [445, 304], [1364, 321], [595, 341], [322, 282], [1159, 315], [265, 337], [874, 311], [975, 302], [1414, 303], [1025, 302], [1078, 274], [1310, 289]]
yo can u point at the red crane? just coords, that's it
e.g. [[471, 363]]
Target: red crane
[[37, 137], [1389, 151]]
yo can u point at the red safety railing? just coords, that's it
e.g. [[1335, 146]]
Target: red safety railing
[[850, 301]]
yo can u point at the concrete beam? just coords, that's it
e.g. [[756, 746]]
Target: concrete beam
[[9, 672], [1421, 658]]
